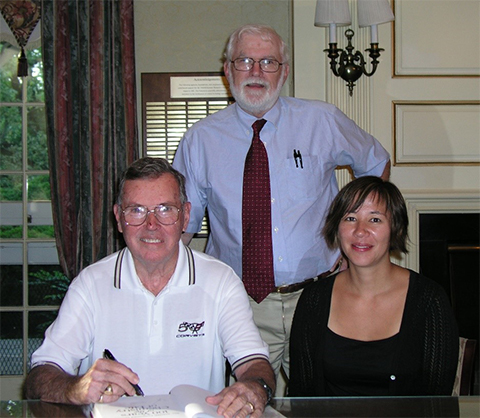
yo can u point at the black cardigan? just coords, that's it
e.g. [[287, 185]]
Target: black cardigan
[[425, 360]]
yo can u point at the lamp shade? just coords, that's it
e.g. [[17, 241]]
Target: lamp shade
[[374, 12], [332, 11]]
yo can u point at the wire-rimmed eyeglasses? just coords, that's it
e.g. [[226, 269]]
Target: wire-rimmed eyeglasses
[[267, 65], [165, 214]]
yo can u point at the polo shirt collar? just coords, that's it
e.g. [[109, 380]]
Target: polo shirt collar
[[125, 275]]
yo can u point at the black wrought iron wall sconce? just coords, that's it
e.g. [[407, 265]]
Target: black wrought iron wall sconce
[[349, 64]]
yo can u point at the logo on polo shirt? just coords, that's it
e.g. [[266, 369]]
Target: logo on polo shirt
[[190, 330]]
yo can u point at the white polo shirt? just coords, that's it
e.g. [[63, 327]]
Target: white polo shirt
[[182, 335]]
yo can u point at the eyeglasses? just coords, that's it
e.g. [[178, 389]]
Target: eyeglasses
[[267, 65], [165, 214]]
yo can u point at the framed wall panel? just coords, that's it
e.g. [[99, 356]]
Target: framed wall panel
[[437, 38], [436, 132]]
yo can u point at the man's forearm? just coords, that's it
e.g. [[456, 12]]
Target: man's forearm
[[49, 384], [256, 369]]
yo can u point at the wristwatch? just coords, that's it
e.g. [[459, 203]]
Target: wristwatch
[[268, 390]]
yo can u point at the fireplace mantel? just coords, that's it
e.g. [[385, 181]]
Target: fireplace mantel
[[434, 201]]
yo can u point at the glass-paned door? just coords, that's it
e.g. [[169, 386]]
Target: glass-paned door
[[31, 282]]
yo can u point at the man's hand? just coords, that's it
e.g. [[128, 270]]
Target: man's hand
[[105, 381], [240, 400], [247, 396]]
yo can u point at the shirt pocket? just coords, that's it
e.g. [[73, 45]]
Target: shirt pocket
[[303, 177]]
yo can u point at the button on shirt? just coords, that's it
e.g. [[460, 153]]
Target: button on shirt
[[211, 156]]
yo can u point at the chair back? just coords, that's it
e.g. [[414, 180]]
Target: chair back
[[465, 369]]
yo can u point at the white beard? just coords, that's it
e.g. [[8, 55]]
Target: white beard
[[256, 103]]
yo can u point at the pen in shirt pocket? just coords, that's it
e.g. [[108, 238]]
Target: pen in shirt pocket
[[109, 356], [297, 155]]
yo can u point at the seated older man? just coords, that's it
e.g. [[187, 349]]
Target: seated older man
[[169, 314]]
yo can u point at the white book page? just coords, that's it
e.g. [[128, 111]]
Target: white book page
[[138, 407], [184, 401], [192, 400]]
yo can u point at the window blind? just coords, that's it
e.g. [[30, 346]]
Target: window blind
[[172, 103]]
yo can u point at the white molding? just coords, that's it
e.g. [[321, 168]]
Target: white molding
[[437, 38], [451, 126], [439, 201]]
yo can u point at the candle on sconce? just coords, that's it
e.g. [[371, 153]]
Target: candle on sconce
[[374, 34], [332, 33]]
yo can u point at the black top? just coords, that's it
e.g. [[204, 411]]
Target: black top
[[423, 358], [357, 368]]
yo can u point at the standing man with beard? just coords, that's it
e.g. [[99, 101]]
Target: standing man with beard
[[305, 141]]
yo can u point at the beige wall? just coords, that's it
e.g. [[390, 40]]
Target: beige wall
[[190, 35], [372, 105]]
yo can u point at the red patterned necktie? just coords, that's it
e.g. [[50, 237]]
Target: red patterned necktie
[[257, 254]]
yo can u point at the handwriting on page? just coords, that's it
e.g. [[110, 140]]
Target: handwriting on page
[[145, 411], [184, 401]]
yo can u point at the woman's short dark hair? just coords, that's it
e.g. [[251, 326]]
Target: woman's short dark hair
[[151, 168], [354, 194]]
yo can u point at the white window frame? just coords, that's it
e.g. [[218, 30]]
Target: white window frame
[[40, 249]]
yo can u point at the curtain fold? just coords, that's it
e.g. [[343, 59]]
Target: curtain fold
[[90, 101]]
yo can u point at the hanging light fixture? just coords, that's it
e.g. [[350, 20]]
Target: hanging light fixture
[[351, 65]]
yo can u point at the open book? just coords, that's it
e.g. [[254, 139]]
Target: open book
[[184, 401]]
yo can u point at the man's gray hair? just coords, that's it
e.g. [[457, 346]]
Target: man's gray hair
[[266, 33], [151, 168]]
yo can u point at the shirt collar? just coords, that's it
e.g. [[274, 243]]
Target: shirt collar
[[184, 274], [272, 116]]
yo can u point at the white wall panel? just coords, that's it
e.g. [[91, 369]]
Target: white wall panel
[[437, 133], [437, 37]]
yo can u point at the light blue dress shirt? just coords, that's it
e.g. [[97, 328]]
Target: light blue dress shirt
[[212, 155]]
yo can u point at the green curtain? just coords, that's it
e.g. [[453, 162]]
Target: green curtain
[[90, 100]]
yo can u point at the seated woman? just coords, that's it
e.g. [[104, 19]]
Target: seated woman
[[374, 329]]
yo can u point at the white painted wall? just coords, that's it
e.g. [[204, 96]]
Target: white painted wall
[[190, 35], [385, 89]]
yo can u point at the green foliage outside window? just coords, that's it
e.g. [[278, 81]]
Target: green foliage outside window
[[47, 287], [12, 185], [11, 116]]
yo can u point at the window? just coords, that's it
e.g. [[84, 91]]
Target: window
[[171, 103], [32, 284]]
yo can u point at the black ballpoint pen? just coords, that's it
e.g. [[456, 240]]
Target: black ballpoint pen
[[109, 356]]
